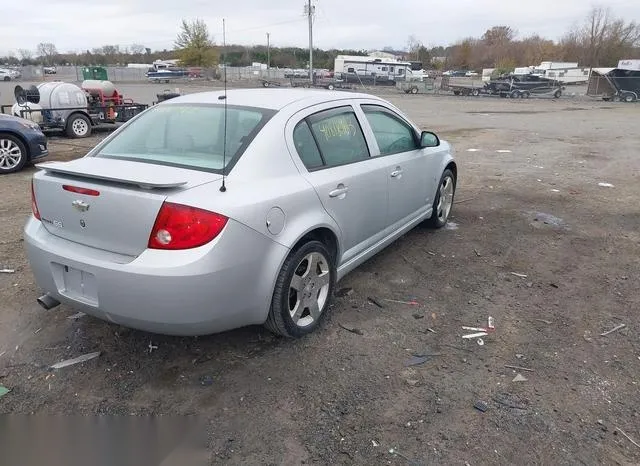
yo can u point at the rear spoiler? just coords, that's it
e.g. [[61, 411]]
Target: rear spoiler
[[114, 171]]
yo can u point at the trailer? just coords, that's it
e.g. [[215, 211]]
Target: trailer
[[60, 105], [417, 87], [463, 88]]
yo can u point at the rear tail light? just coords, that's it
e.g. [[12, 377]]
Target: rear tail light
[[34, 204], [183, 227], [79, 190]]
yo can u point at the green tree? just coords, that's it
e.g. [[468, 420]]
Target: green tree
[[194, 44]]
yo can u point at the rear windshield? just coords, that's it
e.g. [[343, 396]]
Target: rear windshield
[[188, 135]]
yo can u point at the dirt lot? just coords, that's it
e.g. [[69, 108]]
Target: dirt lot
[[347, 398]]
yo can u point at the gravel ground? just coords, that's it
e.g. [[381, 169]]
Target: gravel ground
[[535, 243]]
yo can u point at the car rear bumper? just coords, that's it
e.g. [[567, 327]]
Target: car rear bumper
[[220, 286]]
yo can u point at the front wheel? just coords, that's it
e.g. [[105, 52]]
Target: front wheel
[[13, 154], [303, 291], [443, 203]]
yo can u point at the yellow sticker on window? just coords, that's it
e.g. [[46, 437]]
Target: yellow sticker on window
[[337, 127]]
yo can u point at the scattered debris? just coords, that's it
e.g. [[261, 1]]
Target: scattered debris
[[3, 391], [553, 285], [78, 360], [37, 331], [628, 438], [481, 406], [475, 335], [606, 185], [477, 253], [152, 347], [418, 316], [431, 330], [521, 275], [431, 253], [206, 380], [548, 322], [465, 200], [357, 331], [7, 271], [519, 378], [451, 226], [518, 368], [480, 342], [510, 401], [491, 323], [342, 292], [409, 303], [76, 316], [374, 443], [614, 329], [555, 190], [376, 302], [416, 361], [3, 353], [519, 356], [473, 150], [503, 151]]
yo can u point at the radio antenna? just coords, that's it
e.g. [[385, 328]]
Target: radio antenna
[[223, 188]]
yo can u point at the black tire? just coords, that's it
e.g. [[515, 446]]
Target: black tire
[[74, 123], [475, 92], [279, 320], [265, 84], [456, 92], [514, 94], [331, 87], [628, 97], [414, 90], [557, 94], [436, 221], [525, 95], [24, 154], [7, 78]]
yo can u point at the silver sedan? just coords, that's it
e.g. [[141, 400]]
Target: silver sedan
[[210, 212]]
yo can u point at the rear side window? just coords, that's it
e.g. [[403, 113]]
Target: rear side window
[[339, 136]]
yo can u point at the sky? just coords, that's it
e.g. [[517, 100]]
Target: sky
[[78, 25]]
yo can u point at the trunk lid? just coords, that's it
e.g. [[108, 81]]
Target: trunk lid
[[120, 214]]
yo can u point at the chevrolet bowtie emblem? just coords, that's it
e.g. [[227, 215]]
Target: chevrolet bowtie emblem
[[80, 206]]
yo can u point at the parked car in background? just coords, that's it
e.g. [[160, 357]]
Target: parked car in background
[[21, 141], [6, 75], [49, 70], [209, 212], [471, 74]]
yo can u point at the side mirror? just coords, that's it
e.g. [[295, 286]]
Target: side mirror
[[429, 139]]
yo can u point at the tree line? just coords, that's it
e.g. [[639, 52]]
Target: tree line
[[602, 39]]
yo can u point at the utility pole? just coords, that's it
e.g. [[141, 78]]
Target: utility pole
[[268, 52], [310, 9]]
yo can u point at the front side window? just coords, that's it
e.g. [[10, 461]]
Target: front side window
[[188, 135], [392, 134]]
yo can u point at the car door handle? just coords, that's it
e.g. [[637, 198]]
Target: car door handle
[[339, 191], [396, 173]]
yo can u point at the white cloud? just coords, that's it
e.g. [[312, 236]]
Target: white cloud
[[80, 24]]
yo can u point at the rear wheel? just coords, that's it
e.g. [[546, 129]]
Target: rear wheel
[[525, 95], [303, 291], [628, 97], [557, 94], [13, 154], [475, 92], [443, 203], [414, 90], [78, 126], [514, 94], [7, 78]]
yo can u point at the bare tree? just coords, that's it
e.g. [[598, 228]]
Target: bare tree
[[137, 49], [413, 46], [47, 51], [25, 54]]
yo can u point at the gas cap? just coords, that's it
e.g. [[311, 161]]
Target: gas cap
[[275, 220]]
